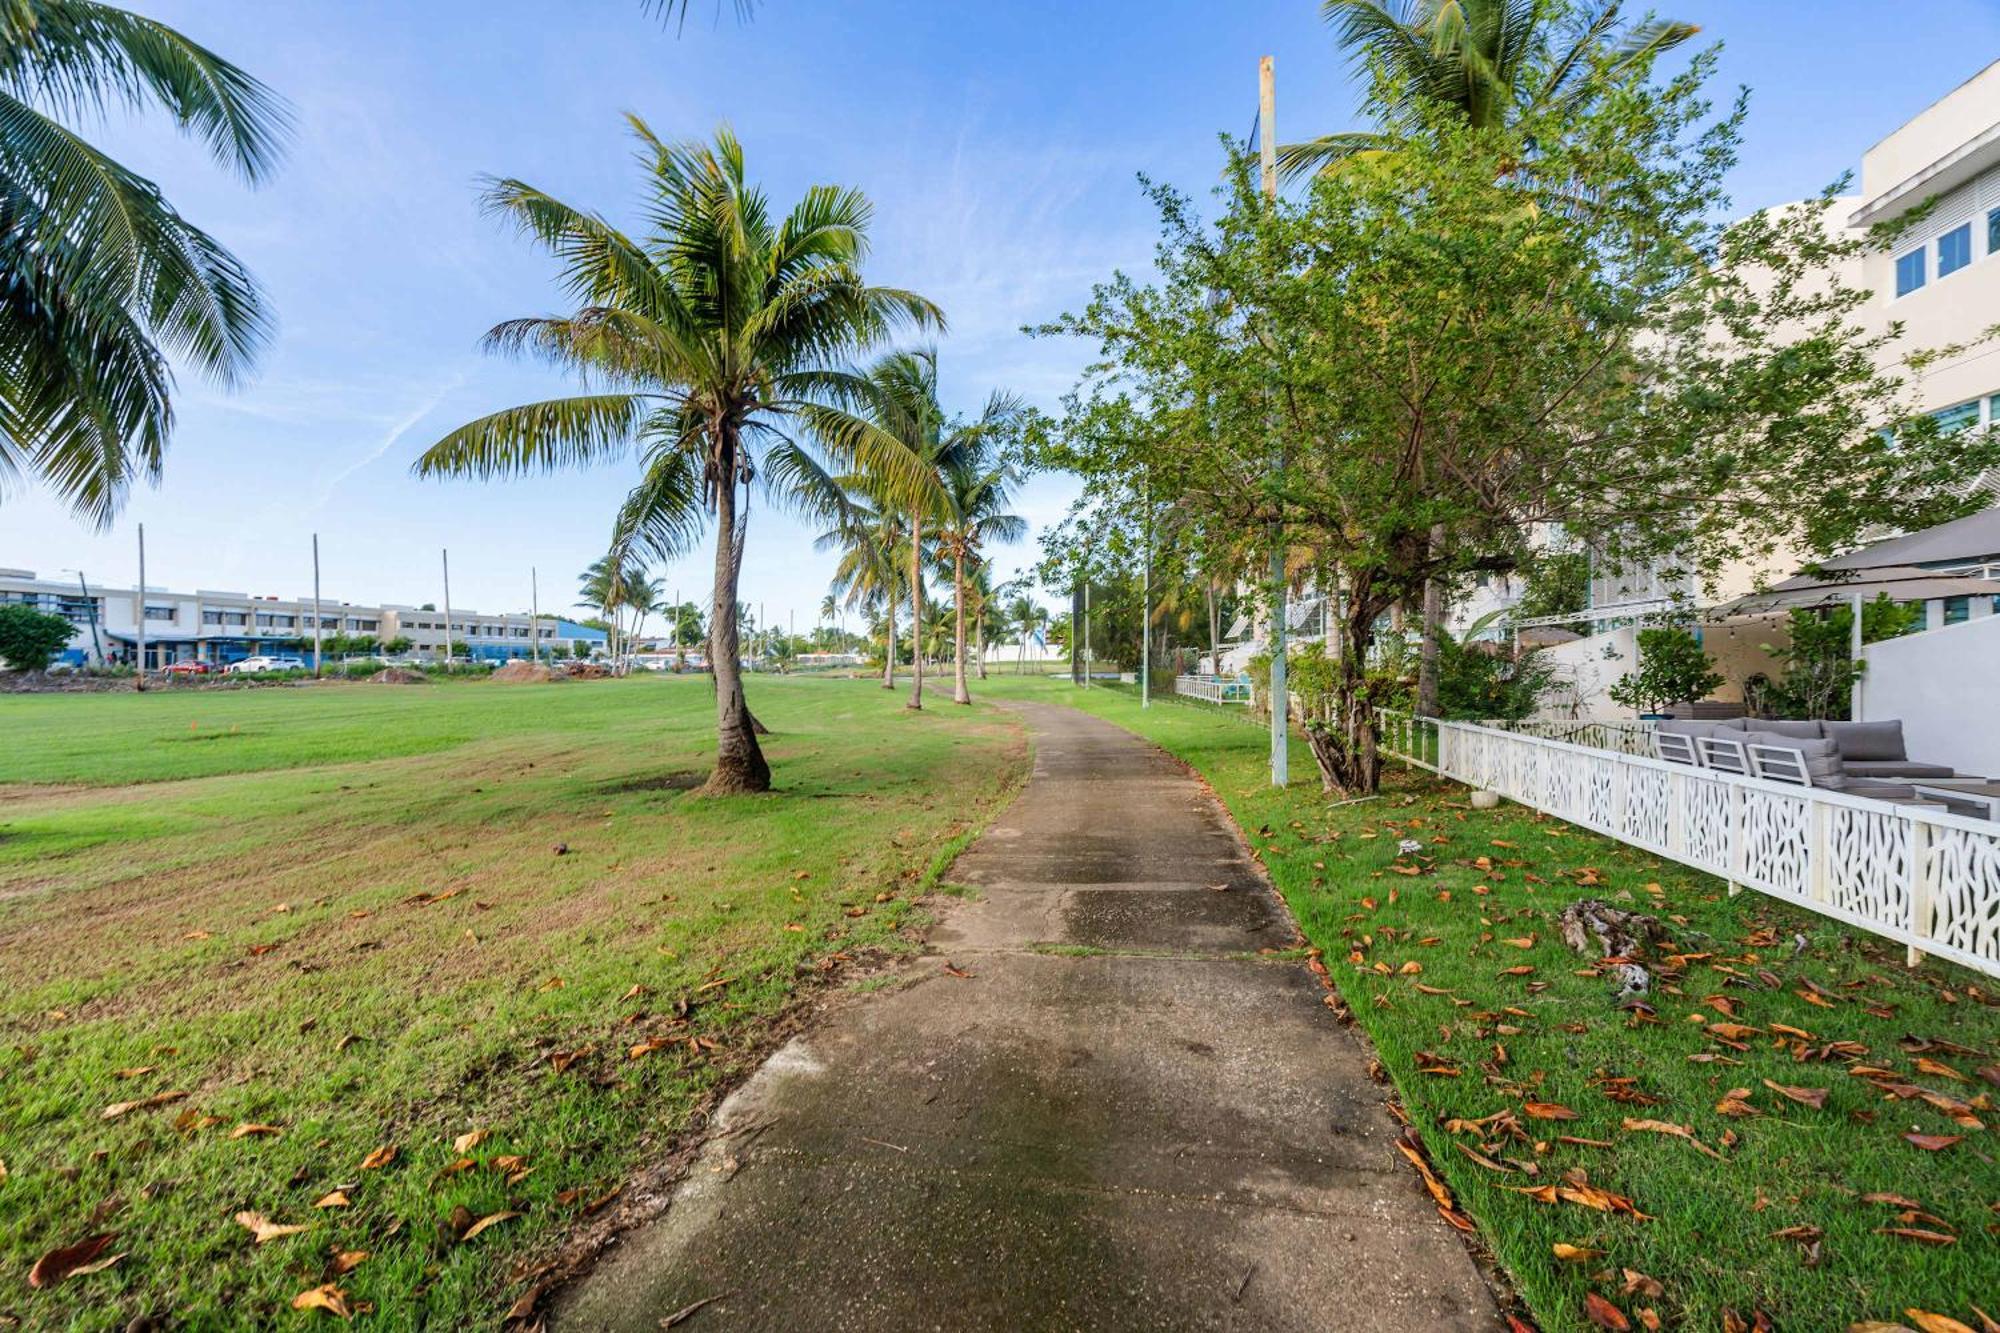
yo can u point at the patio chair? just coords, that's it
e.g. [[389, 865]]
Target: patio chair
[[1722, 754], [1676, 748], [1798, 762]]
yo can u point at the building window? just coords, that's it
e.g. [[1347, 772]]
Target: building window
[[1993, 232], [1955, 249], [1951, 420], [1957, 610], [168, 613], [1909, 272]]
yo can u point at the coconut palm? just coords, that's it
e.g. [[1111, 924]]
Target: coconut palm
[[707, 336], [1489, 60], [101, 280], [896, 411], [869, 574], [977, 486]]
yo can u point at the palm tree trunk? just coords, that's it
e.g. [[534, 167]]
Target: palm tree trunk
[[916, 612], [889, 645], [979, 641], [739, 760], [959, 694]]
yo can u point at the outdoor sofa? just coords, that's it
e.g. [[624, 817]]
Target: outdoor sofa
[[1856, 758]]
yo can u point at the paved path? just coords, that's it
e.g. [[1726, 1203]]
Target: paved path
[[1122, 1119]]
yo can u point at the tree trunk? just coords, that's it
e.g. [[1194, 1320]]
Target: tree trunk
[[959, 694], [739, 760], [1427, 651], [979, 641], [889, 645], [916, 612], [1345, 745], [1214, 632]]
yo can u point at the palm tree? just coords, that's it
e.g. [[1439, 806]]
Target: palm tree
[[1024, 616], [896, 410], [1491, 61], [708, 336], [101, 281], [604, 586], [981, 598], [976, 489], [871, 542]]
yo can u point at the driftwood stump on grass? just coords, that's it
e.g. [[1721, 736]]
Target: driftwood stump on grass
[[1623, 939]]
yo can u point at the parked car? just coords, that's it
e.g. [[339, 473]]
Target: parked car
[[252, 665], [188, 668]]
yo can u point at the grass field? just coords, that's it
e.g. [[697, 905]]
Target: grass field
[[1451, 962], [305, 930]]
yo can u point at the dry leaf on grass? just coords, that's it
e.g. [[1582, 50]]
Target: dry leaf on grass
[[1932, 1142], [465, 1143], [490, 1220], [116, 1109], [337, 1199], [1677, 1131], [380, 1158], [263, 1228], [346, 1261], [1936, 1323], [1576, 1254], [1604, 1314], [1918, 1234], [1549, 1111], [1813, 1097], [71, 1260], [327, 1297], [254, 1130]]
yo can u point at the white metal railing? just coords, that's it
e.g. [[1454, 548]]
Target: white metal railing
[[1927, 879], [1213, 689], [1627, 736]]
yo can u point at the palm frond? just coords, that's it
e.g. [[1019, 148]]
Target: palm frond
[[540, 437]]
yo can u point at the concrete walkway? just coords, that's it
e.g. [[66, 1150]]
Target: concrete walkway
[[1120, 1119]]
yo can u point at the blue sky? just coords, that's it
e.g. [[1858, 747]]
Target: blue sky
[[999, 142]]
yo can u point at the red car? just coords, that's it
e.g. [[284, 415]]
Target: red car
[[188, 668]]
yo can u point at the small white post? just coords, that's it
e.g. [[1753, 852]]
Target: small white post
[[1919, 891], [1855, 647]]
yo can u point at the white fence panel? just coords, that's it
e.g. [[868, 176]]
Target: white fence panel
[[1924, 878]]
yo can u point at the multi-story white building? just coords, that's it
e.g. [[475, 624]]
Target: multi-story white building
[[221, 627]]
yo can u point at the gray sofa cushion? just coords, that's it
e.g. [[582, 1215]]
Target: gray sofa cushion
[[1733, 723], [1869, 740], [1689, 727], [1890, 768], [1821, 759], [1805, 731]]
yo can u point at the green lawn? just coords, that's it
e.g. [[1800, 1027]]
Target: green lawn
[[340, 913], [1458, 975]]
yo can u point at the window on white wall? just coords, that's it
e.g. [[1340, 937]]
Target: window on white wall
[[1909, 272], [1955, 249], [1993, 232]]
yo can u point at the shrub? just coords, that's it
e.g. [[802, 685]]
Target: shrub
[[31, 639], [1672, 669]]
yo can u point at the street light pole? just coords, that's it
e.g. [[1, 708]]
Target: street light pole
[[1281, 705], [446, 555], [90, 609], [1146, 607], [140, 680], [318, 619], [534, 614]]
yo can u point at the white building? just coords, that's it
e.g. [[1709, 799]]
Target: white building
[[221, 627]]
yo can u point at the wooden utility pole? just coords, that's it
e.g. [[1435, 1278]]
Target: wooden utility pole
[[318, 619], [140, 680], [1281, 706], [535, 614]]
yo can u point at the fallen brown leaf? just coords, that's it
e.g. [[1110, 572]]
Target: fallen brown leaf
[[1813, 1097], [1677, 1131], [490, 1220], [1918, 1234], [81, 1257], [327, 1297], [1602, 1312], [337, 1199], [254, 1130], [380, 1158], [1936, 1323], [1576, 1254], [116, 1109], [263, 1228], [348, 1260], [1932, 1142], [1549, 1111]]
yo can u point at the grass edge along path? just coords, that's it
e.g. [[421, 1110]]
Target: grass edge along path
[[397, 1017], [1805, 1155]]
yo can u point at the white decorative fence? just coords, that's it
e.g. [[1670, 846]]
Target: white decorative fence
[[1924, 878], [1213, 689], [1624, 737]]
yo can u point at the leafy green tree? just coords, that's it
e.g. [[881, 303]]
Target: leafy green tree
[[1428, 358], [399, 645], [1672, 669], [31, 639], [105, 281], [1488, 62], [1819, 667], [707, 333]]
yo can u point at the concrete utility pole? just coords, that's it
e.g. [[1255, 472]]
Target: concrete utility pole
[[1086, 630], [1146, 607], [1281, 705], [447, 607], [140, 619], [318, 619], [535, 614], [90, 609]]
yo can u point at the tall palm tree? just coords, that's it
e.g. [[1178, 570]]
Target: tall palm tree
[[101, 281], [708, 334], [1024, 616], [977, 486], [1491, 61], [982, 600], [869, 573], [895, 409]]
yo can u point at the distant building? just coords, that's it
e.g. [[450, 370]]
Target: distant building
[[224, 627]]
